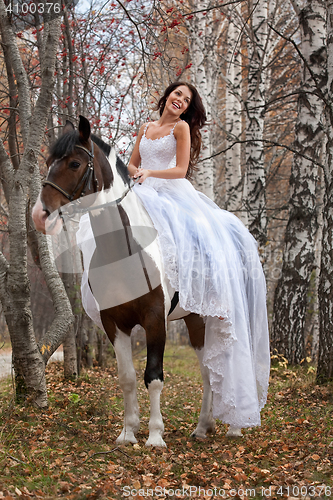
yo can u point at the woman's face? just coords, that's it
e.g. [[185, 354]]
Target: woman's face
[[179, 100]]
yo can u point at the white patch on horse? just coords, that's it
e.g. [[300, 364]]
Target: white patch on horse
[[127, 381], [156, 426], [86, 242]]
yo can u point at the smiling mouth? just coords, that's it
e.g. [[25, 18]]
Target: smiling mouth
[[176, 105]]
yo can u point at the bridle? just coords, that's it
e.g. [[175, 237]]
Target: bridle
[[71, 209], [85, 181]]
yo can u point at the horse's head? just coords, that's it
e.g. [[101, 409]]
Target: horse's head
[[77, 167]]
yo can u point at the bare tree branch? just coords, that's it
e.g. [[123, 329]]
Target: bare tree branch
[[268, 143], [138, 32], [219, 6], [313, 76]]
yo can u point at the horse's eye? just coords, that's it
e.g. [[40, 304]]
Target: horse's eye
[[74, 165]]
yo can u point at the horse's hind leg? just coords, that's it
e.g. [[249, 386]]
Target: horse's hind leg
[[196, 329], [154, 325], [206, 423], [127, 380]]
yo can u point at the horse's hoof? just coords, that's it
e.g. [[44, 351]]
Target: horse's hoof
[[156, 442], [196, 435], [202, 430], [125, 438], [200, 434], [233, 432]]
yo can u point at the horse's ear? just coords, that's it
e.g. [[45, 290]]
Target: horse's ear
[[69, 127], [84, 129]]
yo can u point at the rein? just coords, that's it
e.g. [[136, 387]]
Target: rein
[[73, 208], [85, 180]]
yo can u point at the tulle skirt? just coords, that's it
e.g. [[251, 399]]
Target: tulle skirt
[[212, 260]]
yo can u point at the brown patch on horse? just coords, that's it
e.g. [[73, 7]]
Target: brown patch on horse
[[144, 311], [196, 329]]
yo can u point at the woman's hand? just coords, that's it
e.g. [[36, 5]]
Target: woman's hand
[[142, 174], [132, 170]]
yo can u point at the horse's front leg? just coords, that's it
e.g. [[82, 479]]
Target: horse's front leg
[[156, 333], [127, 380]]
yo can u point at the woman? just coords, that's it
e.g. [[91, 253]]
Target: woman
[[209, 257], [180, 105]]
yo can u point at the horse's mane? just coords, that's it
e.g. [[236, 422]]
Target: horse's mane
[[123, 171], [65, 144], [120, 165], [106, 148]]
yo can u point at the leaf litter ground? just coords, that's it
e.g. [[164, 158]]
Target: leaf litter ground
[[69, 450]]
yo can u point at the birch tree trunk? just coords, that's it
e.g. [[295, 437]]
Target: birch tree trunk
[[325, 356], [203, 51], [255, 177], [233, 173], [290, 302], [69, 343], [314, 322], [29, 360], [63, 316]]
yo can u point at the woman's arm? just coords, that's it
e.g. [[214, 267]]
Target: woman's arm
[[183, 138], [135, 160]]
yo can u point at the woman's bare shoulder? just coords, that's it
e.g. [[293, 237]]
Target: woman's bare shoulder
[[181, 129], [143, 128]]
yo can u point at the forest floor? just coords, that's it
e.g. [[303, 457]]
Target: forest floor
[[69, 451]]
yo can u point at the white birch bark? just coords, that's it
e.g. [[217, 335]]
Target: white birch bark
[[233, 172], [63, 316], [255, 177], [313, 330], [14, 284], [69, 344], [325, 356], [203, 51], [290, 302], [70, 354]]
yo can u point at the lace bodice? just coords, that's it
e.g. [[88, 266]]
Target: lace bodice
[[158, 154]]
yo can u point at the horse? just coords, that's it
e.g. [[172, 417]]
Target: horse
[[80, 165]]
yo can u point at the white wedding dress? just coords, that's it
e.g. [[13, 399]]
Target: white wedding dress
[[212, 260]]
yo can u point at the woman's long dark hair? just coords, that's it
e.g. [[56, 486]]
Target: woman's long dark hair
[[195, 116]]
